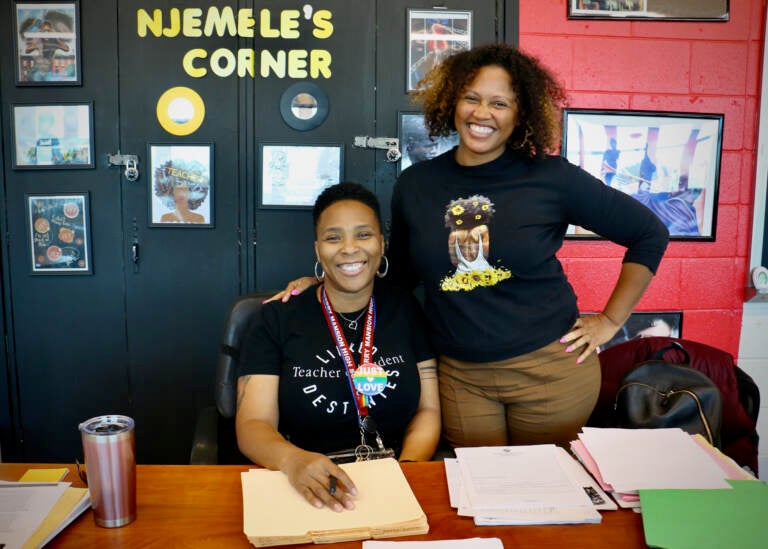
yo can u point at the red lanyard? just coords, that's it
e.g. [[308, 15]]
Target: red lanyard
[[366, 347]]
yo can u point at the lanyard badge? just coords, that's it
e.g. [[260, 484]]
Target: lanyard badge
[[367, 379]]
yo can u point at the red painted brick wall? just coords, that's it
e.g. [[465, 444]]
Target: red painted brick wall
[[668, 66]]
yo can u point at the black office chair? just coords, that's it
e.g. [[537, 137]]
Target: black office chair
[[214, 439]]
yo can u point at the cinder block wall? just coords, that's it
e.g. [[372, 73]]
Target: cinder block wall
[[668, 66]]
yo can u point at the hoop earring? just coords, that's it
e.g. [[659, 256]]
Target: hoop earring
[[386, 267], [321, 276]]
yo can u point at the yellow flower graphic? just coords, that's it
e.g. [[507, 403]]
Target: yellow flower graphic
[[457, 210], [464, 282]]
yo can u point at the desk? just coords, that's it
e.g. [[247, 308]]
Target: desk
[[201, 506]]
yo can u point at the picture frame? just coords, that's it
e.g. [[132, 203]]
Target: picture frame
[[648, 324], [415, 143], [181, 185], [293, 175], [46, 41], [55, 136], [669, 161], [433, 35], [669, 10], [59, 228]]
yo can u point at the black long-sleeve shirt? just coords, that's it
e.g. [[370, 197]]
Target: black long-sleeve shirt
[[515, 298]]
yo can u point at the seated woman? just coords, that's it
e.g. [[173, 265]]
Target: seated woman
[[347, 366]]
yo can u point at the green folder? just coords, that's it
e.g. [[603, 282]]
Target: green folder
[[678, 519]]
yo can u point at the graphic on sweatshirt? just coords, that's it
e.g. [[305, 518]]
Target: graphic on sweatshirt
[[468, 245]]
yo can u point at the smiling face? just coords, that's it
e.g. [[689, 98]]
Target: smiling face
[[349, 247], [486, 116]]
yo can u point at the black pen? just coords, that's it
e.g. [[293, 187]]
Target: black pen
[[332, 488]]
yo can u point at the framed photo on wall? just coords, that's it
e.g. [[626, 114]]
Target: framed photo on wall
[[47, 43], [668, 161], [433, 35], [673, 10], [59, 233], [648, 324], [52, 136], [415, 142], [180, 185], [293, 175]]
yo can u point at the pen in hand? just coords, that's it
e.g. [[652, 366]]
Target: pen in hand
[[332, 487]]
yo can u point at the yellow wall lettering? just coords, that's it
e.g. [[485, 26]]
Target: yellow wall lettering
[[191, 24], [297, 63], [245, 22], [265, 28], [189, 57], [289, 22], [246, 61], [220, 22], [319, 63], [175, 24], [144, 22], [275, 64], [229, 62], [323, 25]]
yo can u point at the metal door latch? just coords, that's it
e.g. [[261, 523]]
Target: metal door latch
[[130, 161], [391, 144]]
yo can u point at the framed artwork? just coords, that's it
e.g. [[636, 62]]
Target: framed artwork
[[433, 35], [648, 324], [668, 161], [415, 142], [59, 233], [180, 185], [47, 43], [52, 136], [673, 10], [293, 175]]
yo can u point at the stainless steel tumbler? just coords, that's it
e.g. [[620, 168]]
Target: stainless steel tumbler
[[110, 463]]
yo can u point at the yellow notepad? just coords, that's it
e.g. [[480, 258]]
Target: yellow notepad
[[70, 505], [274, 513], [44, 475]]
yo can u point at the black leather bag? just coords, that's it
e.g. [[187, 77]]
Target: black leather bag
[[658, 393]]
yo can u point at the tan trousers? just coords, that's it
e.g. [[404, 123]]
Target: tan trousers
[[538, 398]]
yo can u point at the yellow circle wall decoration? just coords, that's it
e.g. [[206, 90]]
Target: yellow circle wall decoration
[[180, 110]]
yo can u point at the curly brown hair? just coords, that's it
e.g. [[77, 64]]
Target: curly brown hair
[[539, 96]]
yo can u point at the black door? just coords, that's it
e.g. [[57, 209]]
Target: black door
[[182, 258], [68, 356]]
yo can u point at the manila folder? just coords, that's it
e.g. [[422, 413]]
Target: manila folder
[[274, 513]]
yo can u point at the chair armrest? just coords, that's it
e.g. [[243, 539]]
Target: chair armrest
[[205, 447]]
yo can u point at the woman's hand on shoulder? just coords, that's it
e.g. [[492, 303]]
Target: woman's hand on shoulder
[[312, 474], [588, 333], [294, 287]]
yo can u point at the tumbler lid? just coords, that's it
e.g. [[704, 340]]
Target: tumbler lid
[[107, 425]]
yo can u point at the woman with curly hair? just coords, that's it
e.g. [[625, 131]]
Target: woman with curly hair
[[517, 362]]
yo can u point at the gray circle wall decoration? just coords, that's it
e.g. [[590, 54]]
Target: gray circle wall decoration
[[304, 106]]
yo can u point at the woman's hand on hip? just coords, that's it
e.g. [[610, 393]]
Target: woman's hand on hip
[[588, 333]]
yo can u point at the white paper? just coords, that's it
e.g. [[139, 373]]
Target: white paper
[[23, 506], [636, 459], [470, 543], [517, 477]]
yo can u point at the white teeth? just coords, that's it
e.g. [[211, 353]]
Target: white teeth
[[480, 129], [351, 267]]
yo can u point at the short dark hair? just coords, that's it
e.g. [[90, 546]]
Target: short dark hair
[[346, 190]]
